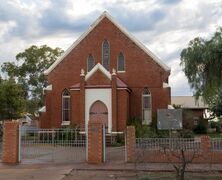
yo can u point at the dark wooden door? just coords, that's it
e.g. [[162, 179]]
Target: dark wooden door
[[99, 112]]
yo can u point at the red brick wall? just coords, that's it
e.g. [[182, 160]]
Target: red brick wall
[[10, 142], [141, 70], [140, 155], [130, 144], [122, 109], [98, 79], [95, 142]]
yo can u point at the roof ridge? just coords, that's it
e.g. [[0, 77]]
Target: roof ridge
[[121, 28]]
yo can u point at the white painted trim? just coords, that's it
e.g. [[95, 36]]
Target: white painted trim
[[170, 106], [121, 71], [65, 123], [98, 66], [165, 85], [105, 14], [48, 88], [42, 109], [100, 94]]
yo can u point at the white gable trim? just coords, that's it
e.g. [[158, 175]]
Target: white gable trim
[[42, 109], [48, 88], [165, 85], [98, 66], [130, 36]]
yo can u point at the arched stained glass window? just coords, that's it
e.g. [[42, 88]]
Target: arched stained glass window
[[121, 63], [90, 63], [146, 106], [65, 105], [106, 54]]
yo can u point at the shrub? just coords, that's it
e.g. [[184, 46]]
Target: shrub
[[201, 127], [186, 133]]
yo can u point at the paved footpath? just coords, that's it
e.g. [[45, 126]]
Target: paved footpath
[[59, 171], [34, 172]]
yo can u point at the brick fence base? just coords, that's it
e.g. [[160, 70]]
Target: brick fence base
[[95, 142], [204, 155], [10, 142]]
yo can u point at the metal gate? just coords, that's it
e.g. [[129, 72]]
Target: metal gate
[[52, 145], [115, 147]]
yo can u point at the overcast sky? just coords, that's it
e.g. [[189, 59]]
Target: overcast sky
[[164, 26]]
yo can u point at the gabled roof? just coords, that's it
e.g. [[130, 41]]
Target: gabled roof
[[122, 29], [97, 67], [188, 102]]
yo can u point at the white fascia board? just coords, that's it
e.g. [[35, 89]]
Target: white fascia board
[[48, 88], [170, 106], [165, 85], [73, 45], [105, 14], [98, 66], [42, 109], [138, 43]]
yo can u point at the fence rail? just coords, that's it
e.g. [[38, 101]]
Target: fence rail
[[168, 143], [58, 145], [216, 144]]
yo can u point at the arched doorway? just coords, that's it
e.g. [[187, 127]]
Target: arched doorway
[[99, 112]]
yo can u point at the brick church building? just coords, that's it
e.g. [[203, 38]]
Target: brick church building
[[106, 75]]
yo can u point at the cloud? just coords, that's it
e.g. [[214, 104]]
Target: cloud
[[164, 26]]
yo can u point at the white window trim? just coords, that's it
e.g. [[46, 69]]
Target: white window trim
[[146, 95], [121, 71], [63, 121]]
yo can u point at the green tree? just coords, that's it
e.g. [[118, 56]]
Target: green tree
[[28, 71], [12, 100], [202, 65]]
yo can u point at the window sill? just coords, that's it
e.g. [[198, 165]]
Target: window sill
[[65, 123], [121, 71]]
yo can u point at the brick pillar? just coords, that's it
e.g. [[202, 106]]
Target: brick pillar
[[95, 142], [206, 147], [10, 142], [82, 99], [130, 143], [114, 102]]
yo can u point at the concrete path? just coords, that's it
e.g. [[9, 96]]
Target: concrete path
[[38, 172]]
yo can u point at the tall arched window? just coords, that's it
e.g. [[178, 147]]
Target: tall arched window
[[146, 107], [121, 63], [106, 54], [65, 106], [90, 63]]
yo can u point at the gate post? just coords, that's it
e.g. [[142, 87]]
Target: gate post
[[130, 144], [10, 142], [95, 142]]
